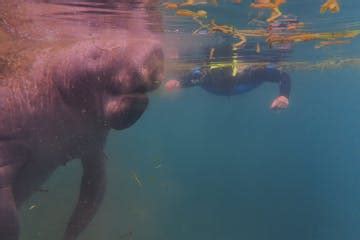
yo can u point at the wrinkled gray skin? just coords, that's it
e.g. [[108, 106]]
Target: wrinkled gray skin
[[62, 108]]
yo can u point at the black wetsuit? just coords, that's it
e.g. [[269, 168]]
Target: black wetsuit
[[220, 81]]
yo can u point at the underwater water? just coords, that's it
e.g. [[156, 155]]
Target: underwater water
[[200, 166]]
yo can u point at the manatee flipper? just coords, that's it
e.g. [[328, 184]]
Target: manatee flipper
[[92, 190], [9, 222]]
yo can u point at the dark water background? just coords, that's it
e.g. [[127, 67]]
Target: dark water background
[[221, 168]]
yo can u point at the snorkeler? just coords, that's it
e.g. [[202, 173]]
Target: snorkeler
[[223, 81], [234, 79]]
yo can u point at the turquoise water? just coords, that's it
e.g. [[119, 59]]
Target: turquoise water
[[226, 168]]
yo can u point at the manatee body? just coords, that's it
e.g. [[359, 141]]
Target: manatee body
[[61, 106]]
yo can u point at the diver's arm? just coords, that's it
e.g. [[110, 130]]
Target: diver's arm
[[267, 74], [275, 75], [284, 84]]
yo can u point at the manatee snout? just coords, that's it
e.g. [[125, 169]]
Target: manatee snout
[[147, 59], [126, 99]]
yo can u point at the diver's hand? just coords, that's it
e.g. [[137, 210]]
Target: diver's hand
[[281, 102], [172, 85]]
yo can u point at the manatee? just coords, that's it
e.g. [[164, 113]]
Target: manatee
[[61, 94]]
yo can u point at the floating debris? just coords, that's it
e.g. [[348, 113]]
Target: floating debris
[[137, 179], [158, 166], [158, 163], [33, 207], [211, 55]]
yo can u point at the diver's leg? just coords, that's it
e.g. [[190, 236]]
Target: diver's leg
[[9, 223], [91, 194]]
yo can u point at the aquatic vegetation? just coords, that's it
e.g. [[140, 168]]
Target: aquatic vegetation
[[242, 35], [277, 29], [303, 37], [330, 43], [330, 5], [270, 4], [198, 2], [188, 13], [228, 30], [282, 31], [172, 5], [329, 64]]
